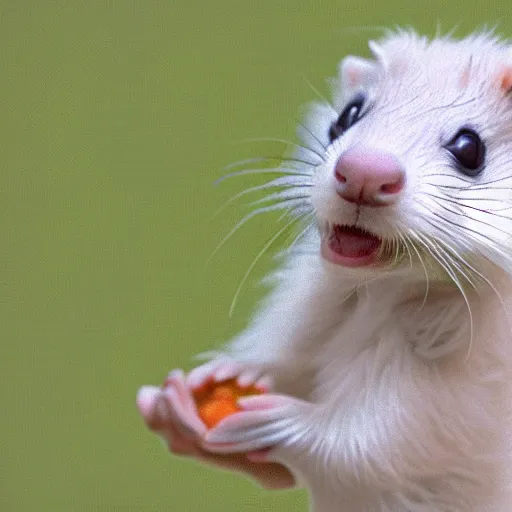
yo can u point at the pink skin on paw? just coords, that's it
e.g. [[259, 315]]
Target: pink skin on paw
[[170, 412]]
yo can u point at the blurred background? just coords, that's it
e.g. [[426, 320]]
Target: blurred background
[[117, 116]]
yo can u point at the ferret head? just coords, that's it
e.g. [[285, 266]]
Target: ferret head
[[415, 156]]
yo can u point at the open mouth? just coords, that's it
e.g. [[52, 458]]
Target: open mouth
[[350, 246]]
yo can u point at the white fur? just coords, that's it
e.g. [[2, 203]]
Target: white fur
[[411, 391]]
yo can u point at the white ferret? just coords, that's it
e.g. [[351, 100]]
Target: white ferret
[[387, 336]]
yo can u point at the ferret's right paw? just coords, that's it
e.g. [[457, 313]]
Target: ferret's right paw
[[224, 368]]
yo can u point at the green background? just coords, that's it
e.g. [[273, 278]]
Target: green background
[[116, 117]]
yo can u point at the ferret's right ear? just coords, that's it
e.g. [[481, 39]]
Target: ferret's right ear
[[356, 73]]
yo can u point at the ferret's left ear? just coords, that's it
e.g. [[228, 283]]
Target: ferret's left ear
[[356, 73]]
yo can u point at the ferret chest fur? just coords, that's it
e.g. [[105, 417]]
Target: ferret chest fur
[[386, 327]]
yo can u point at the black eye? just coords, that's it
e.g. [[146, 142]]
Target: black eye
[[469, 151], [349, 116]]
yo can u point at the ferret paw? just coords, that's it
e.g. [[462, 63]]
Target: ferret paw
[[272, 425], [224, 368], [170, 412]]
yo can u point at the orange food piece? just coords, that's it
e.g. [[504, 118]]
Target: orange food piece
[[212, 412], [218, 400]]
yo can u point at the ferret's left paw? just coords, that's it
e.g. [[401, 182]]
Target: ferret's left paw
[[266, 422]]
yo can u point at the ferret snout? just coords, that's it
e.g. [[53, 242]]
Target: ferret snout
[[368, 176]]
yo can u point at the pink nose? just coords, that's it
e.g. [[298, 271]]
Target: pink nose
[[368, 176]]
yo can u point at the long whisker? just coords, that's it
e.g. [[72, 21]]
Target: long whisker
[[490, 211], [457, 266], [427, 285], [462, 214], [285, 182], [453, 104], [310, 220], [460, 226], [392, 244], [269, 158], [251, 161], [464, 262], [445, 264], [319, 94], [473, 185], [484, 184], [439, 225], [406, 245], [273, 170], [293, 194], [479, 274], [257, 258], [445, 175], [471, 327], [461, 205], [288, 143], [401, 106], [459, 197], [398, 244], [244, 220], [306, 129]]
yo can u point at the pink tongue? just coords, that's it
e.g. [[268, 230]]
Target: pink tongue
[[353, 243]]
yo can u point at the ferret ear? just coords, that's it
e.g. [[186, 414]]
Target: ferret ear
[[356, 73], [505, 76]]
